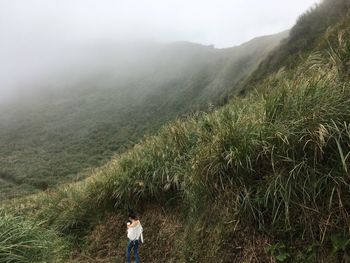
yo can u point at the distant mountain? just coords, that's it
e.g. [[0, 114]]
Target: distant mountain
[[105, 97]]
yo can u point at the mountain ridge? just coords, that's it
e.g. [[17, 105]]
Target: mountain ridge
[[78, 120]]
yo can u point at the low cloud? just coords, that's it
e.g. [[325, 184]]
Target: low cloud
[[39, 37]]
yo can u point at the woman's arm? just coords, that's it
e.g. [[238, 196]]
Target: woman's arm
[[133, 224]]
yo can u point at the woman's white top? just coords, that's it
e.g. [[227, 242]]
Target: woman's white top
[[135, 233]]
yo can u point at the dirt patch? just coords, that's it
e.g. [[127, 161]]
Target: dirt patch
[[168, 240], [108, 241]]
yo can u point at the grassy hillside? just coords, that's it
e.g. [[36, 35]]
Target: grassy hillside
[[263, 179], [306, 36], [25, 241], [79, 118]]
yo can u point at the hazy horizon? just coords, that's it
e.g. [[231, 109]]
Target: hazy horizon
[[40, 36]]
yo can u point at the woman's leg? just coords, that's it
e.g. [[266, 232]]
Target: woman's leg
[[128, 251], [136, 251]]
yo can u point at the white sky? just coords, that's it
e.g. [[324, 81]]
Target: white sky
[[35, 34], [220, 22]]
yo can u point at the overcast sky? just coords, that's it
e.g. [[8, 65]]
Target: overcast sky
[[220, 22], [33, 32]]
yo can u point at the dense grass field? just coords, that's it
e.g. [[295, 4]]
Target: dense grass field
[[26, 241], [264, 178]]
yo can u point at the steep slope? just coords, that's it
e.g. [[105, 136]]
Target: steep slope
[[80, 116], [263, 179], [307, 35]]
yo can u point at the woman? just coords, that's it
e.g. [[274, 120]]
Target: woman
[[135, 237]]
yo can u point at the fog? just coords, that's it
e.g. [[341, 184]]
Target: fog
[[42, 37]]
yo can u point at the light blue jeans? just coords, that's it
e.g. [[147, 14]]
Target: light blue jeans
[[135, 245]]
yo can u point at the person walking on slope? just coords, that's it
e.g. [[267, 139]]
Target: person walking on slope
[[135, 237]]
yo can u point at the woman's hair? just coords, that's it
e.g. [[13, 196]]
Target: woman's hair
[[134, 216]]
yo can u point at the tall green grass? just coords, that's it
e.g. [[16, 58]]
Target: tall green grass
[[276, 162], [25, 241], [283, 151]]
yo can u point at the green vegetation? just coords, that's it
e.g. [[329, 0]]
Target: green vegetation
[[24, 241], [53, 134], [306, 36], [264, 178]]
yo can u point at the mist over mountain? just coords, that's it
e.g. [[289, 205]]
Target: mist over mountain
[[227, 155], [41, 37], [105, 97]]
